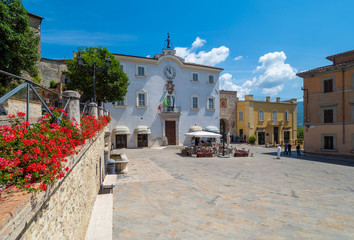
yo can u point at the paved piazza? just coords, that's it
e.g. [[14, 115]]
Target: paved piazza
[[169, 196]]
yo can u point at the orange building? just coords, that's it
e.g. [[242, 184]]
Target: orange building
[[329, 106]]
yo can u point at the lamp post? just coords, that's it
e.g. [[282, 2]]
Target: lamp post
[[223, 142], [81, 61]]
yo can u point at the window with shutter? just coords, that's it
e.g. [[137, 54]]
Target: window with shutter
[[328, 85], [328, 142], [328, 116]]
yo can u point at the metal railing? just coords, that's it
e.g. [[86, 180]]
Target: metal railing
[[169, 109], [30, 85]]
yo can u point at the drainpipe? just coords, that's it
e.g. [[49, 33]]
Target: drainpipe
[[343, 107], [307, 101]]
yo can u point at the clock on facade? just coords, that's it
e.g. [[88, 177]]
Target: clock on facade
[[169, 72]]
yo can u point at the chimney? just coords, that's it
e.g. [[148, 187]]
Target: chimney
[[278, 99], [268, 99], [249, 98]]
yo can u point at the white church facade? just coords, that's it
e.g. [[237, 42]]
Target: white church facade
[[166, 98]]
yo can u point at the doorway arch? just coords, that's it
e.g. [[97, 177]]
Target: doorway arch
[[224, 125]]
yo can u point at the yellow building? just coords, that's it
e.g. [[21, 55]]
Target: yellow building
[[270, 122], [329, 106]]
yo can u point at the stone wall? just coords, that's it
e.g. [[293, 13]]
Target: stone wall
[[228, 100], [35, 24], [51, 69], [63, 211], [13, 106]]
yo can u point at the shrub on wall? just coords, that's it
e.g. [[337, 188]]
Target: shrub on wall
[[52, 84], [32, 156], [252, 139]]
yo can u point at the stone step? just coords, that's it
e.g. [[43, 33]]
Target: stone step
[[109, 180], [100, 225]]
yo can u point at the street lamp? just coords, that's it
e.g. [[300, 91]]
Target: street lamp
[[223, 142], [81, 61]]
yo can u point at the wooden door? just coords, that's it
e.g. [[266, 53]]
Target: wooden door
[[276, 135], [286, 136], [142, 140], [261, 138], [170, 129], [121, 141]]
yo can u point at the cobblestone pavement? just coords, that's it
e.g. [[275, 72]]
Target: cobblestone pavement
[[169, 196]]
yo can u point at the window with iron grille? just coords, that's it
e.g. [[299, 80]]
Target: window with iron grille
[[328, 116]]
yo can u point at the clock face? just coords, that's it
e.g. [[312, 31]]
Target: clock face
[[169, 72]]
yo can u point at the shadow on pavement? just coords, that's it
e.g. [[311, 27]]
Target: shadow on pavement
[[316, 158]]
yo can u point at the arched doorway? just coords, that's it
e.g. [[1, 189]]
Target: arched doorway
[[224, 125]]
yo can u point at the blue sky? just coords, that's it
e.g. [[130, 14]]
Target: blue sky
[[260, 44]]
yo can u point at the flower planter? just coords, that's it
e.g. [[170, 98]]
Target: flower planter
[[241, 154], [205, 154]]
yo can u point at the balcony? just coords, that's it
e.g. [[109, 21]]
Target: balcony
[[275, 123], [168, 109]]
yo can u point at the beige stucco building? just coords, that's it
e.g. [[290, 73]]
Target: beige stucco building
[[270, 122], [228, 100], [329, 106]]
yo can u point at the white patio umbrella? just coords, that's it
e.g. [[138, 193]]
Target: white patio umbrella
[[203, 134]]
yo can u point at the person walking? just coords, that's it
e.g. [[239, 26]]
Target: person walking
[[278, 151], [285, 149], [298, 150], [289, 149]]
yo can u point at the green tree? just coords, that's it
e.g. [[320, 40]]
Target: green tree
[[18, 44], [252, 139], [111, 83], [300, 132]]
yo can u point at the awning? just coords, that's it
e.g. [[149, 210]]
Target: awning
[[141, 129], [212, 129], [121, 130], [203, 134], [195, 129]]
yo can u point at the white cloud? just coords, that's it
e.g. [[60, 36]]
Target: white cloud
[[227, 83], [198, 43], [273, 91], [274, 73], [213, 57], [238, 58], [271, 76], [148, 56]]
